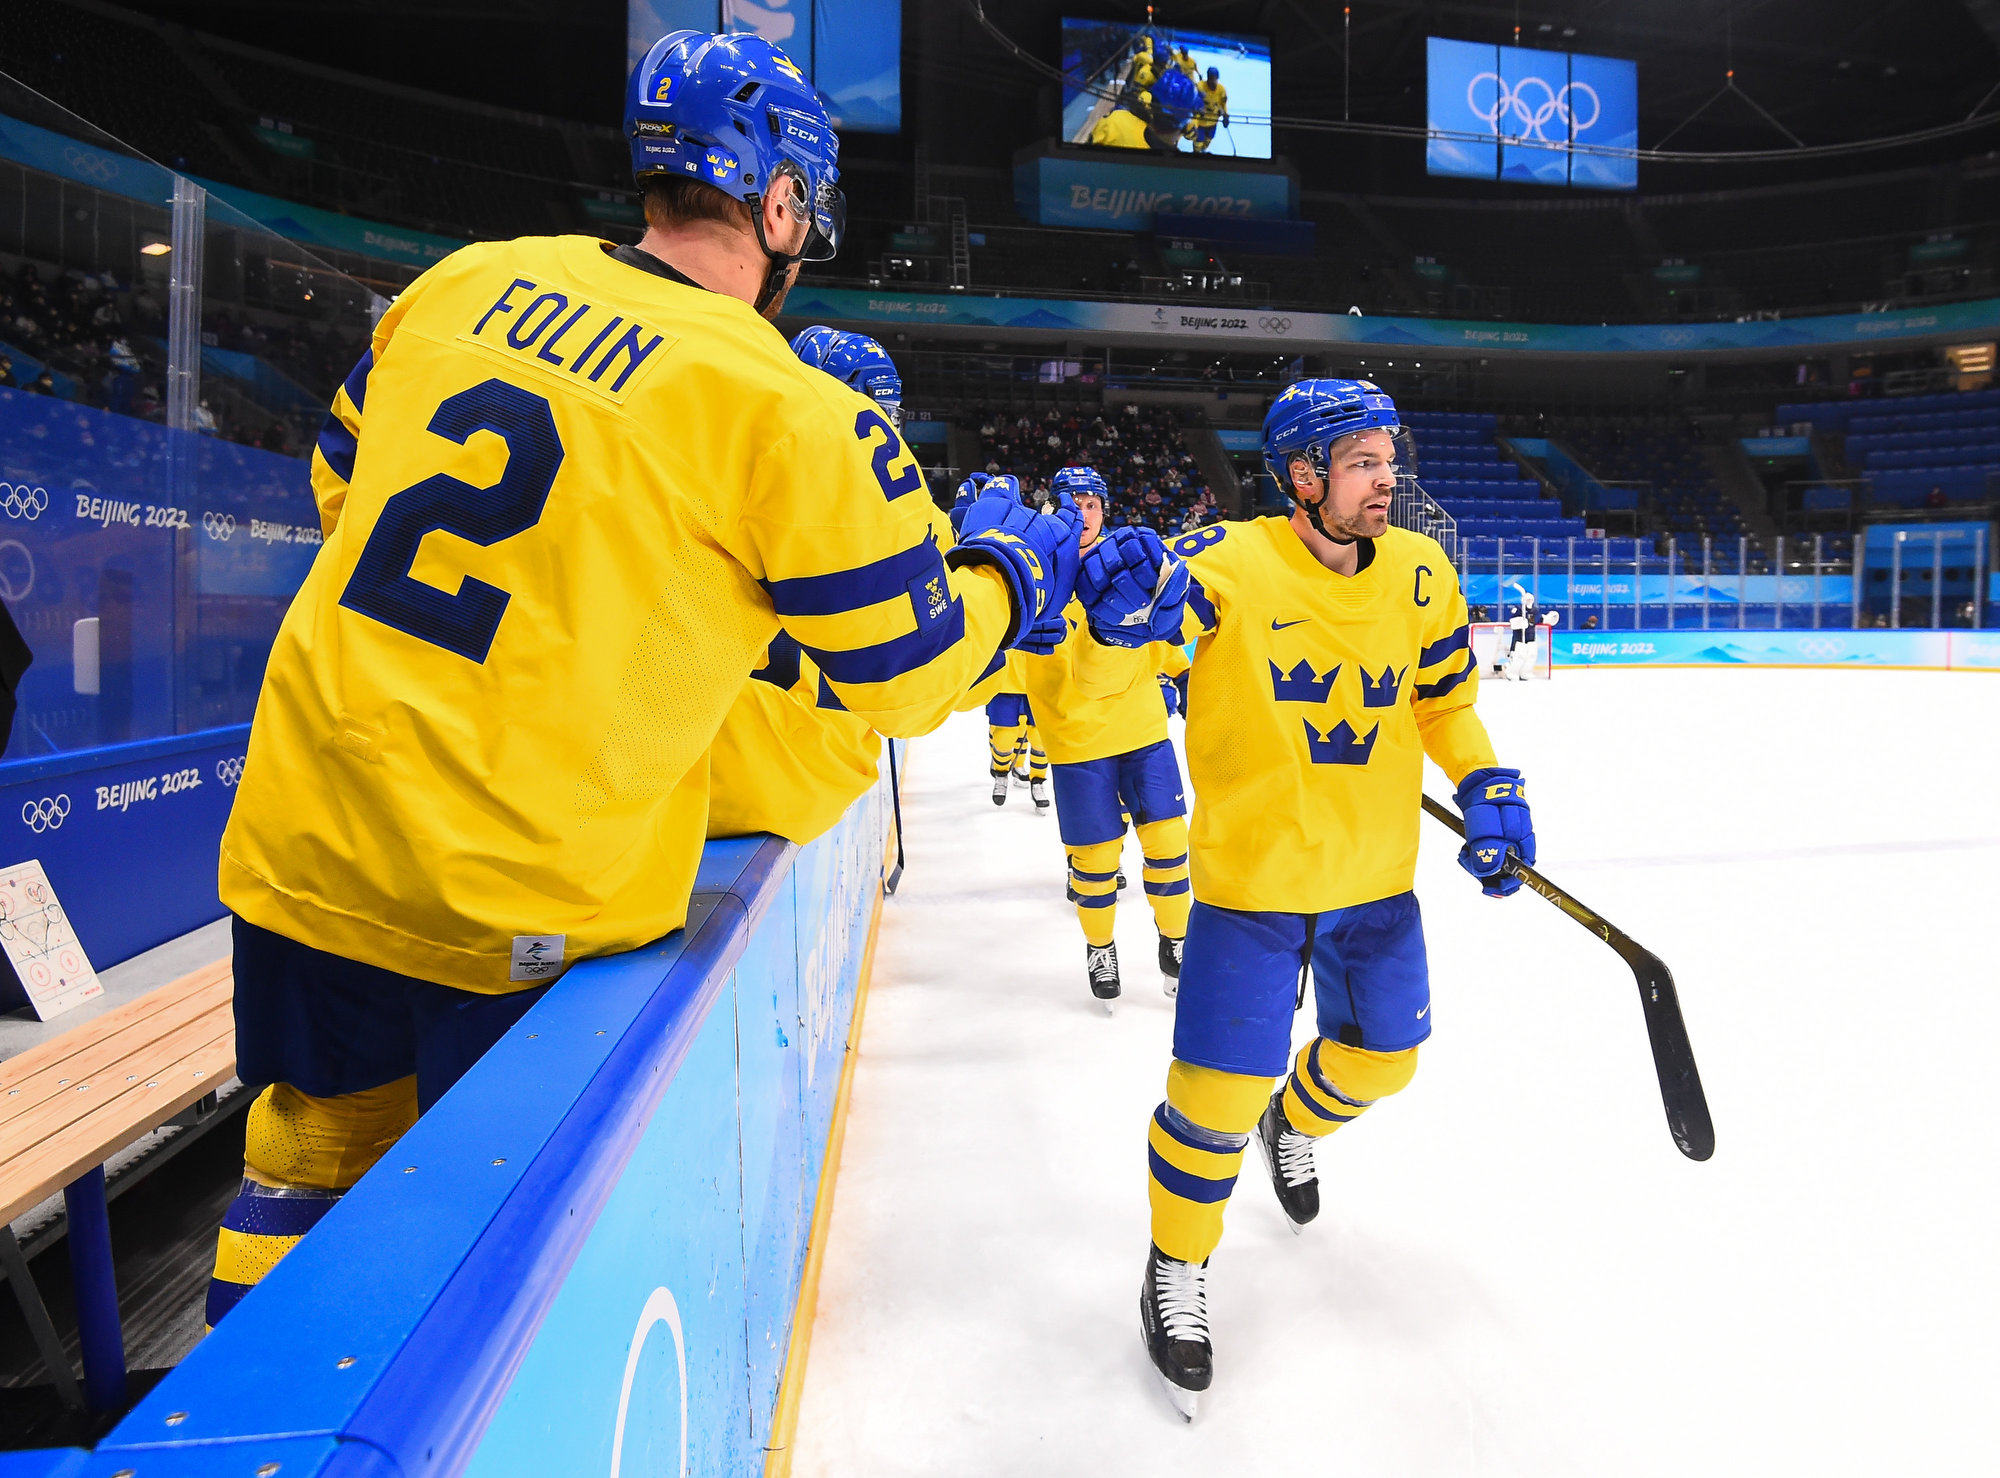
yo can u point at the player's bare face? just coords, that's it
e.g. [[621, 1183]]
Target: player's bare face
[[1092, 510], [1360, 480]]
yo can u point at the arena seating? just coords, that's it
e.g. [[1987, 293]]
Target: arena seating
[[1459, 463], [1145, 461], [1913, 447], [1686, 499]]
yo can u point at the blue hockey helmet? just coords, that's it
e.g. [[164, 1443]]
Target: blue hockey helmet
[[1312, 415], [1082, 482], [733, 111], [857, 361], [1175, 97]]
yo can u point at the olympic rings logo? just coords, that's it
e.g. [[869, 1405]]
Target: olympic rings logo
[[219, 525], [46, 814], [18, 500], [17, 575], [1821, 648], [1514, 104], [97, 166], [1275, 325], [229, 771]]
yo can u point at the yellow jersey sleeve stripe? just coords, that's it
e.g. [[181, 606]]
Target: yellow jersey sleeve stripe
[[1438, 650], [842, 591], [885, 661], [1444, 685]]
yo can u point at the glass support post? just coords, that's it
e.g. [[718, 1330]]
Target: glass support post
[[1707, 574], [1819, 543], [1896, 580], [1742, 581], [1671, 547], [1778, 589], [1937, 579]]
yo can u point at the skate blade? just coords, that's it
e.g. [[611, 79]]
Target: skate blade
[[1187, 1403], [1170, 986], [1110, 1006]]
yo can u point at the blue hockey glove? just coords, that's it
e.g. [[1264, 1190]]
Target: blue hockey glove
[[1132, 589], [967, 492], [1497, 824], [1035, 552], [1170, 692]]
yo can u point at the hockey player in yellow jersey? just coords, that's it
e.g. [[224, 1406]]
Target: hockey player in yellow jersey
[[1152, 117], [1014, 742], [1014, 745], [1331, 658], [1214, 111], [1111, 759], [569, 497]]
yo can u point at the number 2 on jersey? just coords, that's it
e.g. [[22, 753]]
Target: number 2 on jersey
[[906, 481], [466, 622]]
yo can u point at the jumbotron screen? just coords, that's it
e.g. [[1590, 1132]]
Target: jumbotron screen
[[1120, 91]]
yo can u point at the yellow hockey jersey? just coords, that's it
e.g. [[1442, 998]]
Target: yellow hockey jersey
[[789, 758], [569, 497], [1312, 702], [1120, 711], [1214, 103], [1120, 130]]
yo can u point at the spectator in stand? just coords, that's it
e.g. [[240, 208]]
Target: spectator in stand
[[7, 380], [42, 384]]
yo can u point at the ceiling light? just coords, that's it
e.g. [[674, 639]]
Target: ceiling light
[[155, 249]]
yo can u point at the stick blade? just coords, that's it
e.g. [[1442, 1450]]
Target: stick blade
[[1673, 1054]]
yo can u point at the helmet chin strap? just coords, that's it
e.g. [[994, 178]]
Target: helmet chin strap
[[1311, 510], [773, 291]]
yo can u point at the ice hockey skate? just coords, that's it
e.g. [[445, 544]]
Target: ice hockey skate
[[1170, 966], [1173, 1326], [1038, 792], [1288, 1155], [1000, 790], [1100, 962]]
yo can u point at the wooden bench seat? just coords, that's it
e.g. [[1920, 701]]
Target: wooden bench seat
[[70, 1103]]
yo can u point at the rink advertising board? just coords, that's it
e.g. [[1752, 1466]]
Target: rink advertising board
[[586, 1258], [1955, 651]]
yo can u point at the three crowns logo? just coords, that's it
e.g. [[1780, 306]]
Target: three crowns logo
[[1301, 684], [1382, 692], [1339, 746]]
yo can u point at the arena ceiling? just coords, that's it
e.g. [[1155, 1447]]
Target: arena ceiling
[[1819, 71]]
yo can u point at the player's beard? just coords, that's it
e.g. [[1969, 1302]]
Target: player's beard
[[772, 309]]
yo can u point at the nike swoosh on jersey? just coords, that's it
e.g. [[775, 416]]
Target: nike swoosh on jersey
[[1281, 625], [1423, 1013]]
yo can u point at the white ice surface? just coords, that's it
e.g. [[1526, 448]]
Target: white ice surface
[[1516, 1272]]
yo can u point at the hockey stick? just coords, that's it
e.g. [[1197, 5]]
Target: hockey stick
[[1673, 1054], [896, 801]]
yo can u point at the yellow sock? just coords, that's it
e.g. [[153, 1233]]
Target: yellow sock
[[1093, 887], [1194, 1149], [1165, 845], [1333, 1084], [300, 1155]]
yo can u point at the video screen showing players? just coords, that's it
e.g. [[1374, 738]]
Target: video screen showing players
[[1166, 89]]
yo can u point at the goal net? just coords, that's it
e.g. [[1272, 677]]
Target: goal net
[[1494, 650]]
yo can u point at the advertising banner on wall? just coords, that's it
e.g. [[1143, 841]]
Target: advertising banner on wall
[[1951, 650], [1125, 195], [1248, 323]]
